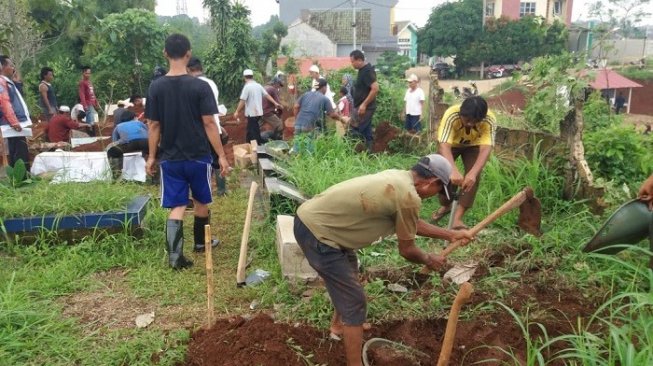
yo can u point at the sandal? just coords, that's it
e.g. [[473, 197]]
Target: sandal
[[337, 336], [440, 213]]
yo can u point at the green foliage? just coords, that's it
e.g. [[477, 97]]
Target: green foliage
[[43, 198], [597, 115], [558, 84], [510, 41], [619, 153], [17, 175], [201, 35], [451, 28], [122, 51], [634, 72], [233, 50], [268, 39], [291, 66], [390, 101], [392, 64]]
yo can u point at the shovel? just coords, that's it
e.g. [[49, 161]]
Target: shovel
[[530, 218]]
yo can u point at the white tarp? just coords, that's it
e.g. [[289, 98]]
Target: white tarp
[[71, 166]]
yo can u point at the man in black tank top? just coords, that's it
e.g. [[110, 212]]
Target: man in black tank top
[[47, 99]]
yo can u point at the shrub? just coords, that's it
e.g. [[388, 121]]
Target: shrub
[[597, 114], [619, 153]]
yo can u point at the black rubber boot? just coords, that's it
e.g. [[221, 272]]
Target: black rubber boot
[[175, 241], [221, 183], [116, 167], [198, 233]]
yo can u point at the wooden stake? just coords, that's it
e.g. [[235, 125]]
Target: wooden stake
[[209, 276], [242, 259]]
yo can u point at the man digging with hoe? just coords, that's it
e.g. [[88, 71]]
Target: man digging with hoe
[[331, 226]]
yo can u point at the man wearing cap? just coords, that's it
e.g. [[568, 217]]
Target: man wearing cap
[[59, 127], [314, 72], [251, 98], [331, 226], [270, 112], [365, 90], [414, 99], [467, 130]]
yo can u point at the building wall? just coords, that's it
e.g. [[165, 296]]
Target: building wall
[[408, 48], [543, 8], [290, 10], [308, 41]]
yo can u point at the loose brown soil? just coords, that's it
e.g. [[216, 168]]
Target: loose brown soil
[[383, 134], [262, 341], [513, 101]]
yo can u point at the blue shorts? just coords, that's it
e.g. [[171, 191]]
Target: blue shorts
[[178, 176], [413, 123]]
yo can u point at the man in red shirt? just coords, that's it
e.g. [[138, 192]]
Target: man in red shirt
[[60, 125], [87, 95]]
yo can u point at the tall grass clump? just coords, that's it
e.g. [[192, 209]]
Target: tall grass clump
[[335, 160], [43, 198]]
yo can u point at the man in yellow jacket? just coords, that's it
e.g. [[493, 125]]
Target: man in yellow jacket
[[467, 130]]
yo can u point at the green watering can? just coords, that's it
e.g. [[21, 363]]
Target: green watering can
[[630, 224]]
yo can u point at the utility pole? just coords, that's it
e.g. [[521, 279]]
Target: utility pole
[[353, 22]]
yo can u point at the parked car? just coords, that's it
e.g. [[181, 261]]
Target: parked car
[[443, 69]]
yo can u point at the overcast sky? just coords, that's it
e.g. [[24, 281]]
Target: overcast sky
[[416, 10]]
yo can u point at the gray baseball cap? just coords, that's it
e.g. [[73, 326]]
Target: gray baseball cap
[[439, 167]]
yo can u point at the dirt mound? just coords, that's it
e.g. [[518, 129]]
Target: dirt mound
[[509, 102], [261, 341], [383, 134]]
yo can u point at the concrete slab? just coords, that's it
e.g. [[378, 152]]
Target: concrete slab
[[294, 265]]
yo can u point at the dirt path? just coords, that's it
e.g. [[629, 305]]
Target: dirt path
[[422, 72]]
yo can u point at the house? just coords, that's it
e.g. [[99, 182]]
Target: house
[[406, 32], [334, 19], [550, 10]]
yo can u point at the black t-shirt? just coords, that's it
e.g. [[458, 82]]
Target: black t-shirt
[[366, 77], [178, 104]]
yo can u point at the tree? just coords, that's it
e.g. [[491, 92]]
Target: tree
[[392, 64], [451, 28], [201, 35], [510, 41], [22, 39], [623, 14], [125, 47], [233, 49], [268, 37]]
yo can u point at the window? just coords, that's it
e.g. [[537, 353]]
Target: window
[[557, 7], [404, 40], [526, 9], [489, 9]]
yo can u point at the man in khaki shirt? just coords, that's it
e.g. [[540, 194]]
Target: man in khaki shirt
[[353, 214]]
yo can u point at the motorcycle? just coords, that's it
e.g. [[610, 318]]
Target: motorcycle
[[456, 92], [470, 92]]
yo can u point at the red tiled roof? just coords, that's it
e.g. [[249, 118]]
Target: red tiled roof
[[610, 79], [326, 63]]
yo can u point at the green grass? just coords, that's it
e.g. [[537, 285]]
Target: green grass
[[42, 198], [39, 280]]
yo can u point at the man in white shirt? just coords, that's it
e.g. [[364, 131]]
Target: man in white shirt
[[414, 99], [251, 99], [196, 69], [314, 71]]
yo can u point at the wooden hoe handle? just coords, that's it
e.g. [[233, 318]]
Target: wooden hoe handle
[[242, 259], [464, 294]]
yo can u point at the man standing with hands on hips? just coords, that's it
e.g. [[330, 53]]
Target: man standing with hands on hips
[[180, 109]]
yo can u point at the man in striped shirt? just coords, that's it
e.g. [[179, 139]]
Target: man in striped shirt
[[466, 130]]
